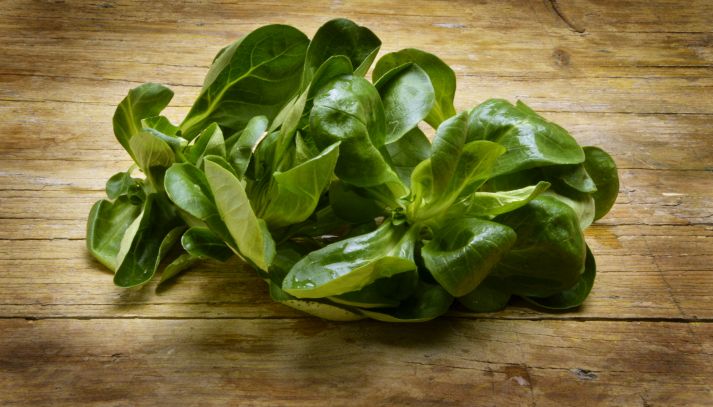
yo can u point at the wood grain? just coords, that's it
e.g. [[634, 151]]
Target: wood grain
[[635, 78]]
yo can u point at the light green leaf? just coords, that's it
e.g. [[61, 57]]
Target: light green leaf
[[144, 101], [106, 226], [249, 233]]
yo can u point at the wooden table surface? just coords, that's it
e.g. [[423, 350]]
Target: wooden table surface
[[634, 78]]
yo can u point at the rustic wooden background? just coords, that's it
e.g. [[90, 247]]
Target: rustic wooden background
[[635, 77]]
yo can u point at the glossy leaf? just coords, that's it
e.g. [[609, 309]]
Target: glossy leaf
[[351, 264], [442, 78], [384, 292], [463, 252], [122, 183], [530, 140], [349, 110], [342, 37], [106, 227], [255, 76], [408, 96], [143, 101], [249, 233], [602, 168]]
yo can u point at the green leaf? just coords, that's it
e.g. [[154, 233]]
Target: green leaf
[[488, 204], [143, 101], [549, 253], [407, 152], [352, 204], [442, 78], [581, 204], [203, 243], [487, 297], [209, 142], [463, 252], [341, 37], [249, 233], [177, 266], [319, 308], [158, 229], [530, 140], [255, 76], [106, 227], [349, 110], [354, 263], [188, 189], [407, 95], [122, 183], [150, 151], [384, 292], [294, 194], [242, 151], [428, 302], [453, 168], [573, 296], [602, 168], [160, 124]]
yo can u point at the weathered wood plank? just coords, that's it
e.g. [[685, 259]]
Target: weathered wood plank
[[644, 272], [312, 362]]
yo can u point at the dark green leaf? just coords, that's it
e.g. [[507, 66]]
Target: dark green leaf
[[549, 253], [342, 37], [487, 297], [531, 141], [602, 168], [428, 302], [464, 251], [407, 152], [158, 229], [177, 266], [242, 151], [203, 243], [442, 77], [407, 95], [209, 142], [575, 295]]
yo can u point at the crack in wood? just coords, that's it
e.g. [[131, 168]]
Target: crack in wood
[[568, 22]]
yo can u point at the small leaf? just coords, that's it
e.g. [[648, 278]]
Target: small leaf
[[106, 226], [602, 168], [144, 101], [574, 296], [428, 302], [202, 243]]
